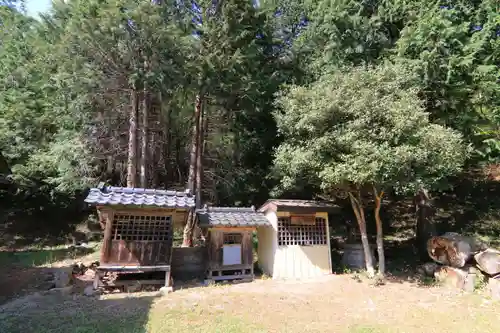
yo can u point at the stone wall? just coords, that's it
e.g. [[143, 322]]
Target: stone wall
[[189, 262]]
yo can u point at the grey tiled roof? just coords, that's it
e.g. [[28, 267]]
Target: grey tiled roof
[[231, 217], [298, 205], [108, 195]]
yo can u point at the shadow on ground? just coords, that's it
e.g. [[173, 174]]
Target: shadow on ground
[[75, 313]]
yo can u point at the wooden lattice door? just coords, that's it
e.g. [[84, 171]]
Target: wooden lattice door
[[140, 240]]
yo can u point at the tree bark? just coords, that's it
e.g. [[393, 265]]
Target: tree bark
[[132, 140], [425, 228], [144, 138], [187, 240], [167, 144], [358, 208], [110, 166], [199, 156], [146, 106], [380, 232], [194, 146]]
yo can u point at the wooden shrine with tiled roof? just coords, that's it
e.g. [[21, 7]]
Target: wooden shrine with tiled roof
[[138, 229], [230, 240], [292, 235]]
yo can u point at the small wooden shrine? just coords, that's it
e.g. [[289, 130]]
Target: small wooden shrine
[[230, 241], [297, 245], [138, 230]]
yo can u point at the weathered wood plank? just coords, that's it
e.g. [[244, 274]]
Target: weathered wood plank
[[231, 277], [122, 283], [106, 245], [133, 268]]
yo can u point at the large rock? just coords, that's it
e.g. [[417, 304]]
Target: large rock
[[488, 261]]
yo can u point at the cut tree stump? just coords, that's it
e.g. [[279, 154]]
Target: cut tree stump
[[488, 261], [494, 287], [452, 249], [451, 277]]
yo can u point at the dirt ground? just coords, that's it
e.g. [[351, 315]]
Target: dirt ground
[[331, 304], [337, 303]]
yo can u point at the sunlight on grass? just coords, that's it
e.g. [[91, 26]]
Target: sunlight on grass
[[42, 256], [197, 321]]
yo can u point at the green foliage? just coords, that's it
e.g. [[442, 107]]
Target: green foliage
[[66, 83], [455, 51], [361, 127]]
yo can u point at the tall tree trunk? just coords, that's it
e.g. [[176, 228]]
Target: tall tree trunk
[[187, 240], [167, 146], [199, 156], [194, 146], [146, 106], [357, 206], [380, 232], [132, 140], [425, 228], [154, 144], [178, 160], [199, 169], [110, 167]]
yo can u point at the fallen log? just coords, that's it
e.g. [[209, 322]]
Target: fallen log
[[452, 249], [488, 261]]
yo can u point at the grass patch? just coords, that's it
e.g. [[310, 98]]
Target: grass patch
[[43, 256], [338, 305]]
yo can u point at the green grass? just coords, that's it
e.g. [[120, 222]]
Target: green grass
[[41, 256], [125, 315]]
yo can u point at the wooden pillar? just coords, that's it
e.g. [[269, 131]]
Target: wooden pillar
[[106, 244]]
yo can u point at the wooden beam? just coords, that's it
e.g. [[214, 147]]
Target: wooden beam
[[106, 243], [120, 283], [233, 229], [133, 269], [231, 277]]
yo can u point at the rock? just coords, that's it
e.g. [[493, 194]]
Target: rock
[[473, 270], [428, 268], [49, 277], [62, 278], [488, 261], [494, 287], [90, 273], [94, 265], [64, 291], [450, 276], [47, 285], [89, 291], [79, 268], [165, 291]]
